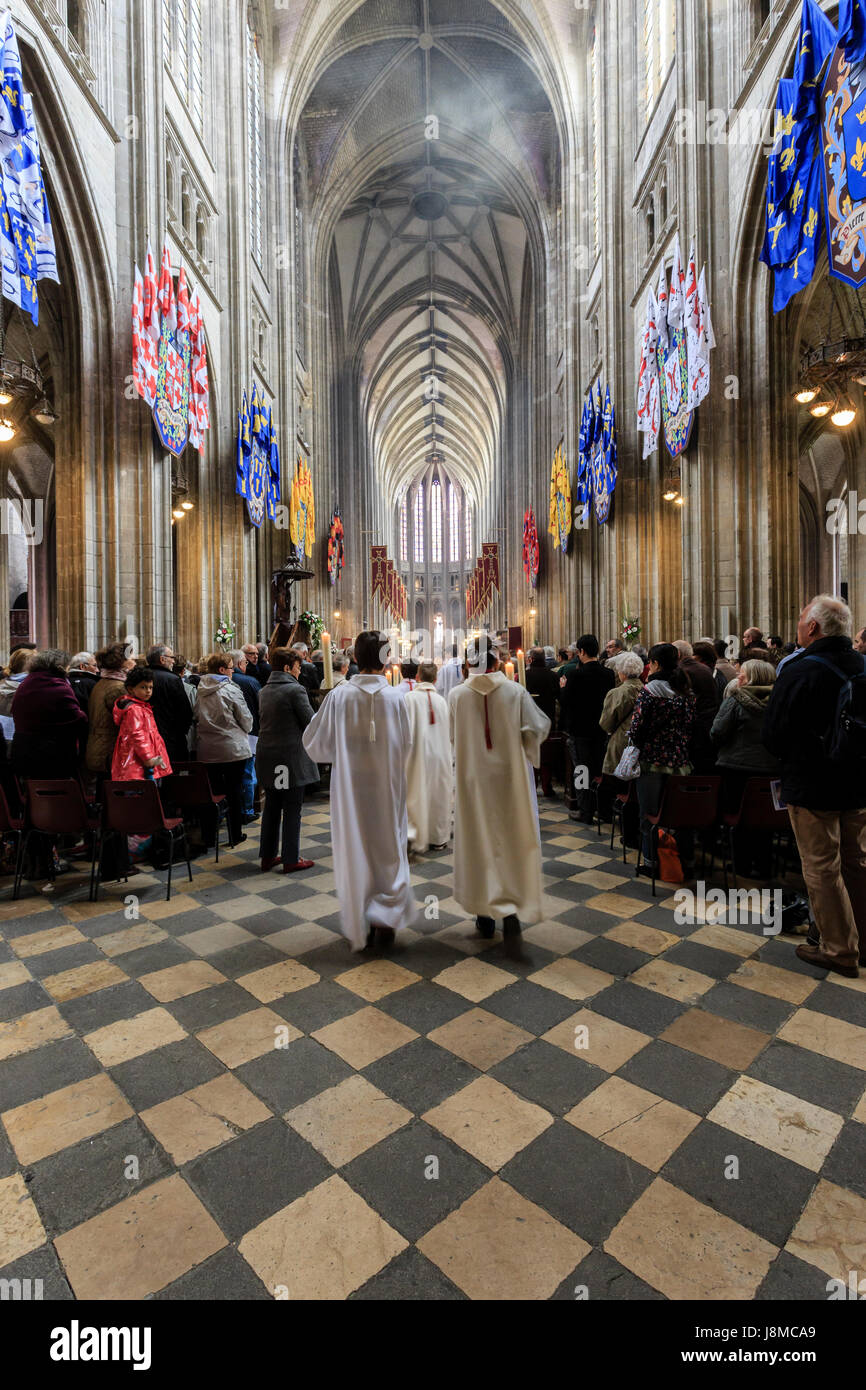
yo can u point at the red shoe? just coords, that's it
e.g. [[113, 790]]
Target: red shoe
[[268, 864], [301, 864]]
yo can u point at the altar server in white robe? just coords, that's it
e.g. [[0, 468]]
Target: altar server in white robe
[[362, 730], [497, 731], [430, 774]]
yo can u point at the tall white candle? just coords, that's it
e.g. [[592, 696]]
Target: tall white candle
[[509, 670], [521, 669], [328, 682]]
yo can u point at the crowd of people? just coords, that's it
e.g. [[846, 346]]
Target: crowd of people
[[409, 754]]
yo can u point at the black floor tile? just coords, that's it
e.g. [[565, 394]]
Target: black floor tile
[[225, 1277], [208, 1007], [409, 1277], [601, 1277], [810, 1076], [549, 1076], [420, 1075], [45, 1273], [23, 999], [289, 1076], [47, 1068], [531, 1006], [245, 958], [79, 1182], [791, 1279], [423, 1006], [318, 1004], [705, 959], [248, 1179], [846, 1162], [682, 1077], [836, 1000], [611, 956], [415, 1178], [747, 1006], [638, 1008], [580, 1181], [161, 956], [517, 955], [106, 1006], [699, 1166], [165, 1073], [55, 962]]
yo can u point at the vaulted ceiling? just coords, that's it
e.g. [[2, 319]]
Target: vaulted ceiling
[[431, 140]]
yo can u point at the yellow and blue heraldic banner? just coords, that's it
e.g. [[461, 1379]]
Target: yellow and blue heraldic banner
[[816, 181], [257, 473]]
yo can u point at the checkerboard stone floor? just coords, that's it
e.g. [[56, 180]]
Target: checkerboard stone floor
[[216, 1100]]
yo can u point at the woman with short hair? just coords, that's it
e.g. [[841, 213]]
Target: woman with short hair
[[618, 707], [661, 729], [223, 723], [50, 725], [113, 663]]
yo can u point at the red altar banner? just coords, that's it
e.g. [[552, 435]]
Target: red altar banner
[[378, 565]]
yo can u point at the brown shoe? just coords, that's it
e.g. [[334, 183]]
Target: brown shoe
[[813, 957]]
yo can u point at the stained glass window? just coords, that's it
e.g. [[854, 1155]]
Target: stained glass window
[[418, 525]]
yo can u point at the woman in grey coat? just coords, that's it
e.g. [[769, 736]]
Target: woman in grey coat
[[222, 734], [283, 768]]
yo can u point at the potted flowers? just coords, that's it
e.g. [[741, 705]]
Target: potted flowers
[[630, 631], [225, 633]]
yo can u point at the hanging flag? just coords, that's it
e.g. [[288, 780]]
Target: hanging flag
[[649, 418], [560, 522], [692, 327], [605, 473], [335, 547], [676, 301], [583, 485], [145, 361], [151, 296], [531, 552], [842, 146], [662, 309], [302, 512], [13, 119], [274, 474], [244, 446], [183, 307], [165, 297], [817, 40]]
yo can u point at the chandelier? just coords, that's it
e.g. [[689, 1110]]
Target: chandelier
[[827, 374], [21, 385]]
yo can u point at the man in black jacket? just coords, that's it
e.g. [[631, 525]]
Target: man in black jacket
[[826, 798], [82, 675], [251, 691], [581, 703], [170, 703]]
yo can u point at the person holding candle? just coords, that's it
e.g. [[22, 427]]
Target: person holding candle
[[430, 776], [327, 662], [497, 731]]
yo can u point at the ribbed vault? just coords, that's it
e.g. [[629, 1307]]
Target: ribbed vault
[[431, 161]]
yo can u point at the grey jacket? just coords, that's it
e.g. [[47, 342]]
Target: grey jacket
[[284, 713], [222, 722], [737, 729]]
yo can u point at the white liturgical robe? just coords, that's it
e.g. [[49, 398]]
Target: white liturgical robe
[[497, 731], [362, 730], [430, 775]]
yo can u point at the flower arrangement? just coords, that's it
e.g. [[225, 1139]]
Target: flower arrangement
[[225, 633], [316, 626], [630, 630]]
